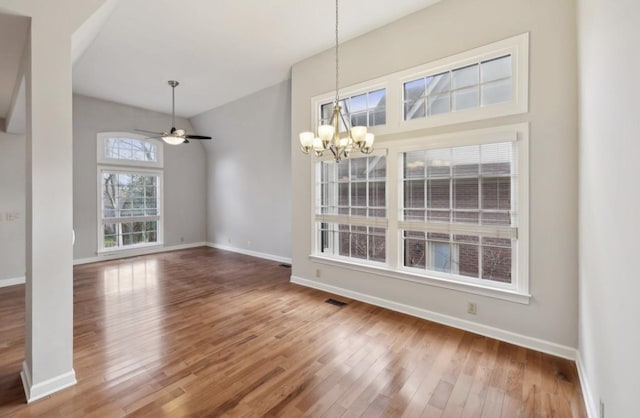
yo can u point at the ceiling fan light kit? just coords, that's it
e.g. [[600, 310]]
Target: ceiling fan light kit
[[329, 136], [175, 136]]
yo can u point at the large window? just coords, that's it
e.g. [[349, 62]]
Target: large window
[[129, 191], [459, 210], [448, 210]]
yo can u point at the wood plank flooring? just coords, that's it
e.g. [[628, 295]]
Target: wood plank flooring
[[204, 332]]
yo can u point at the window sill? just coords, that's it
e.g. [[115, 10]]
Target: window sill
[[503, 294], [120, 250]]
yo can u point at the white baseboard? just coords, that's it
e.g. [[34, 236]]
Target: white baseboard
[[251, 253], [42, 389], [12, 281], [587, 393], [486, 330], [136, 252]]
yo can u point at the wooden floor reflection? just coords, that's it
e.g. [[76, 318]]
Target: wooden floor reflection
[[204, 332]]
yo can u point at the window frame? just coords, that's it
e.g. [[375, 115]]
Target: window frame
[[114, 165], [518, 289]]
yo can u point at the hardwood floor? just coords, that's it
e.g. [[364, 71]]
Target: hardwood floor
[[204, 332]]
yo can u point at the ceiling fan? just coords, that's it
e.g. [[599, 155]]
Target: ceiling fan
[[174, 136]]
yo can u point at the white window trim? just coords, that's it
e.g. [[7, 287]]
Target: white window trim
[[101, 157], [516, 46], [518, 290]]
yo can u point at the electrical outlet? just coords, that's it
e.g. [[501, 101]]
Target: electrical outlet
[[317, 272], [601, 409], [472, 308], [181, 239]]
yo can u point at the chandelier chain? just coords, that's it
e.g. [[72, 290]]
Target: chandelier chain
[[337, 60]]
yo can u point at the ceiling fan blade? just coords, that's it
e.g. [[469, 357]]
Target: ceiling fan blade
[[149, 132], [197, 137]]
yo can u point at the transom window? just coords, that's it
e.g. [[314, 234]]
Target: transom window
[[129, 193], [129, 149], [484, 83], [365, 109]]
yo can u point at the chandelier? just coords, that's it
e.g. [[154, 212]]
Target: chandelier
[[330, 137]]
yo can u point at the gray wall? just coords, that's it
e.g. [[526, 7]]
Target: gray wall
[[609, 203], [184, 173], [444, 29], [249, 172], [12, 207]]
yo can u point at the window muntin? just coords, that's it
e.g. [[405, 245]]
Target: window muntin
[[351, 209], [365, 109], [484, 83]]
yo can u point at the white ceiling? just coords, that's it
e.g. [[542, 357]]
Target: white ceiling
[[219, 50], [13, 35]]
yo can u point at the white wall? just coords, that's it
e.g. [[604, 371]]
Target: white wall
[[444, 29], [184, 173], [12, 208], [609, 203], [249, 172]]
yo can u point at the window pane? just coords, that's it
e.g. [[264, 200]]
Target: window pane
[[377, 117], [440, 256], [357, 103], [377, 244], [359, 119], [359, 194], [414, 109], [414, 90], [496, 193], [468, 255], [465, 98], [439, 163], [496, 259], [496, 159], [438, 194], [414, 164], [414, 194], [325, 113], [358, 168], [465, 194], [439, 103], [377, 196], [378, 167], [465, 77], [496, 92], [466, 161], [343, 194], [439, 83], [414, 249], [496, 69]]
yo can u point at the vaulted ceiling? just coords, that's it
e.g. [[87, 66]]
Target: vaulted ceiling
[[219, 50]]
